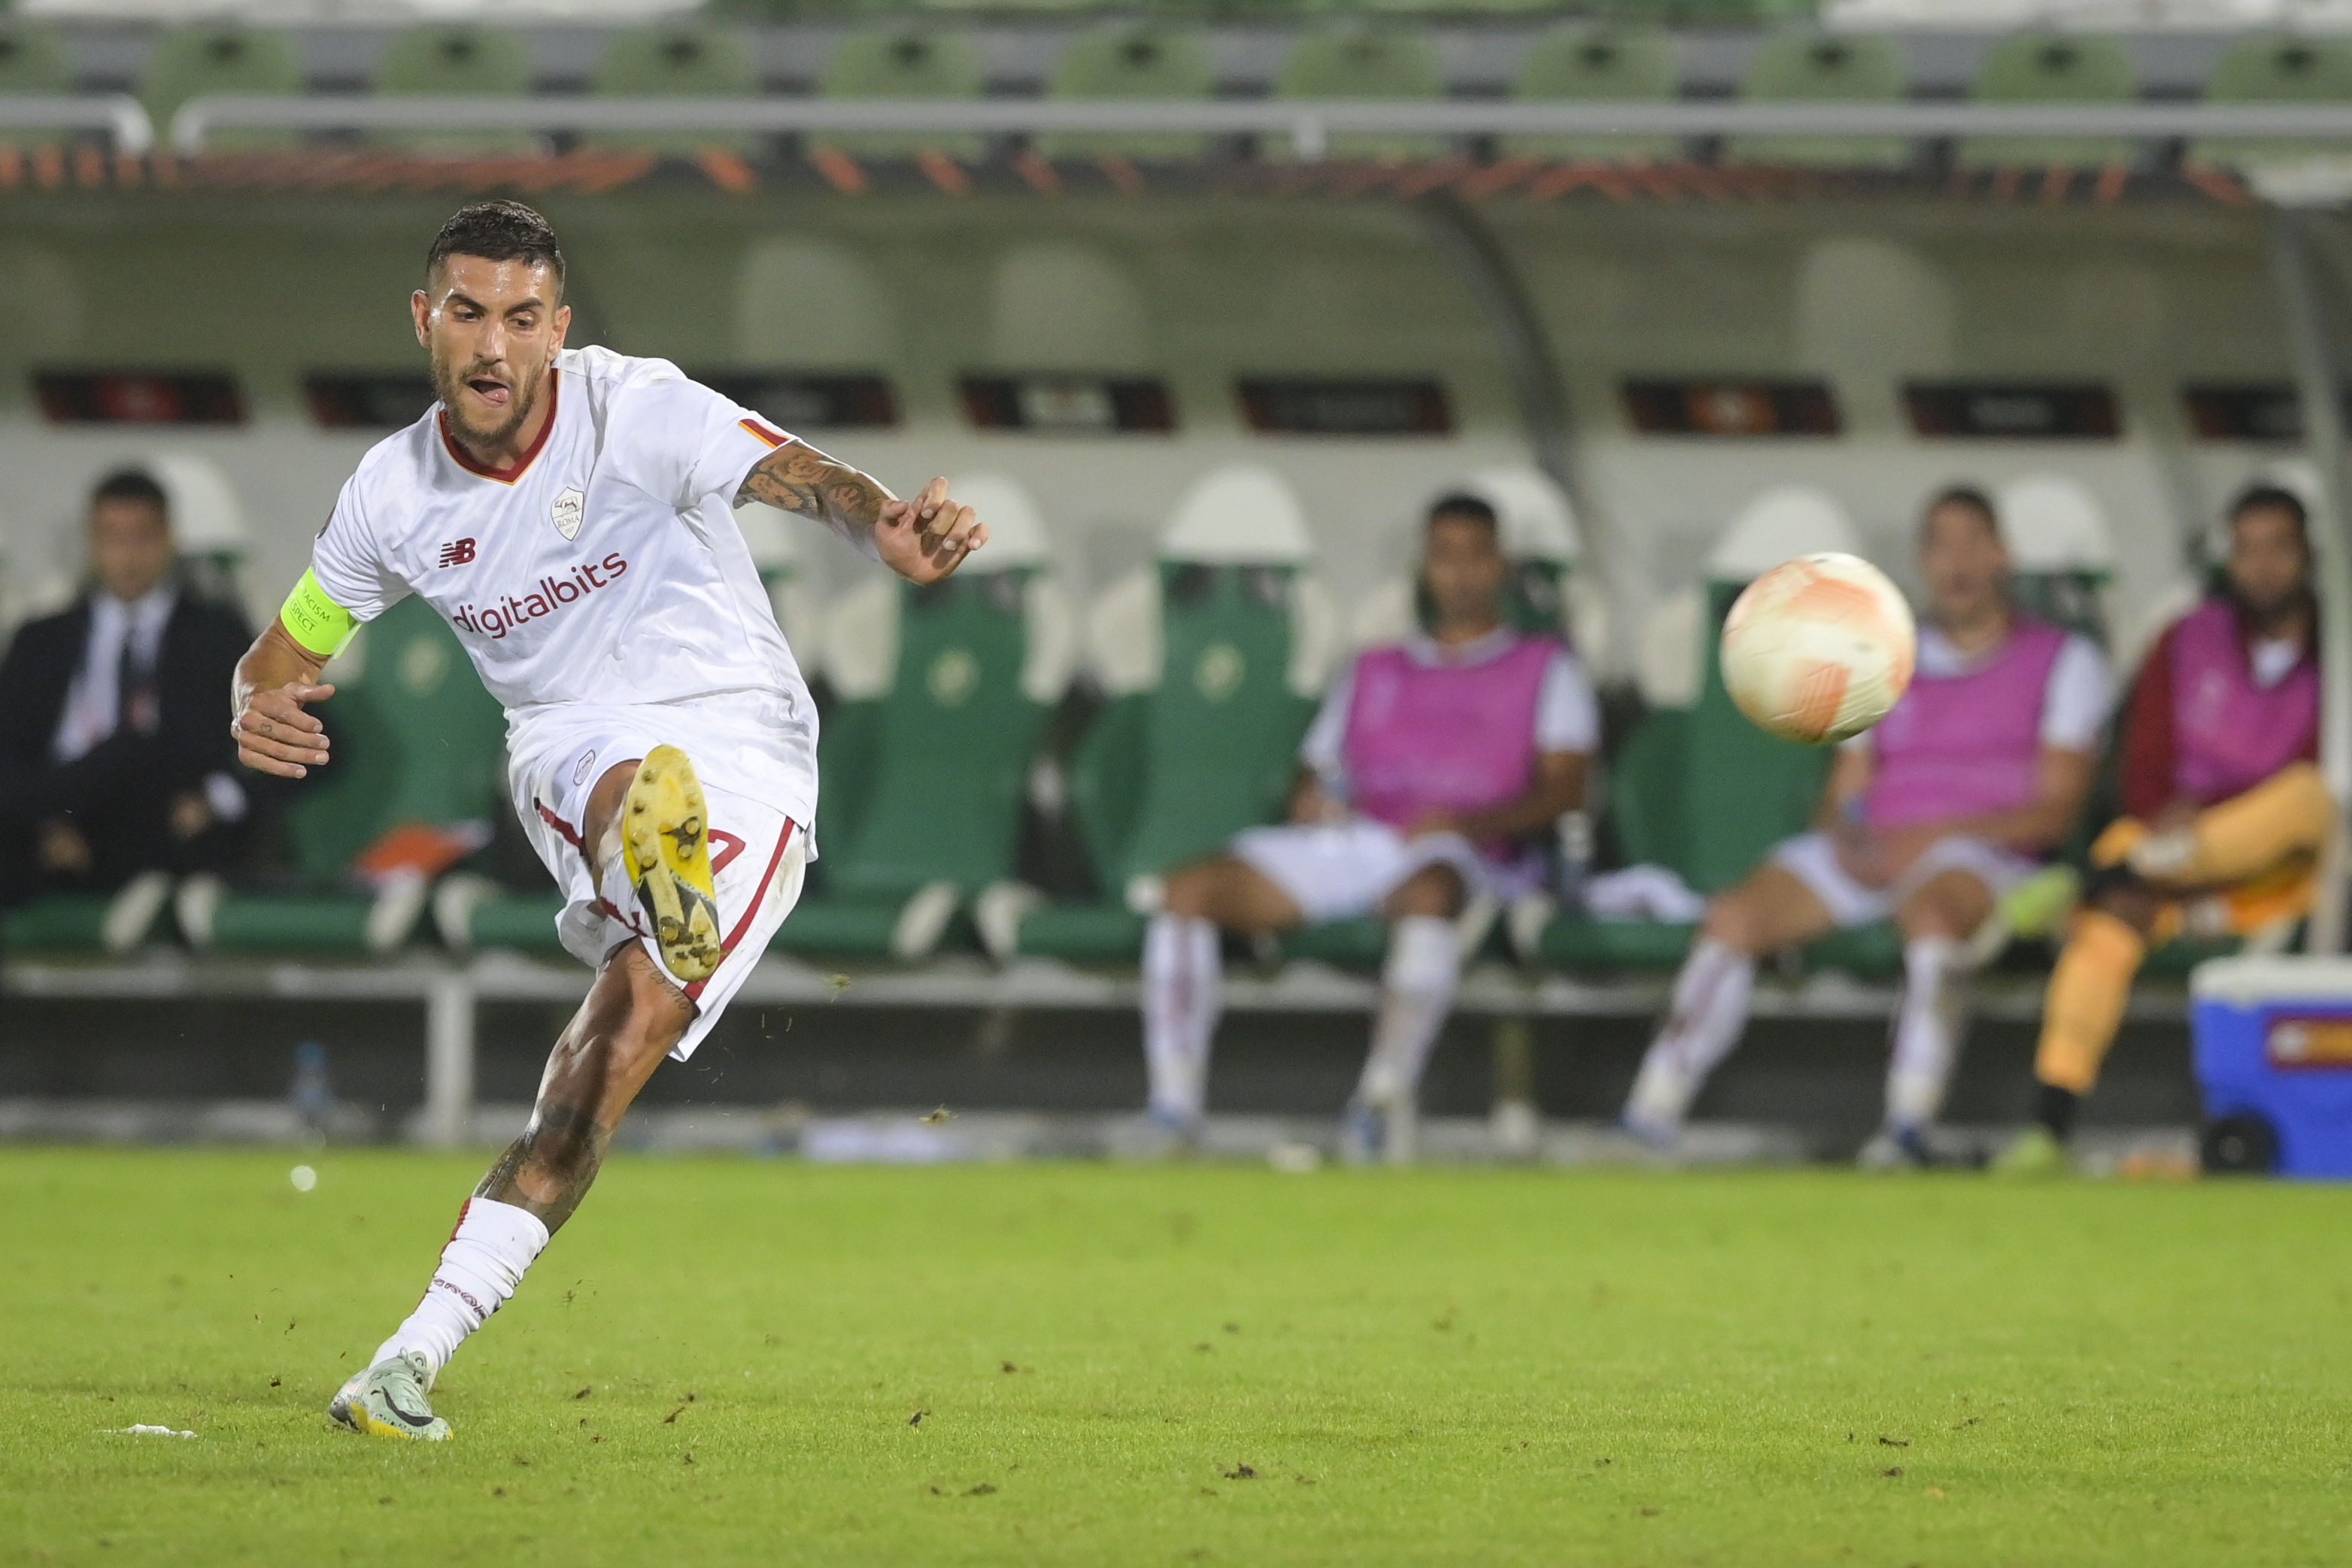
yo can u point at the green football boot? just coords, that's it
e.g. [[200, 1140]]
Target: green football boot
[[387, 1400], [2035, 1153]]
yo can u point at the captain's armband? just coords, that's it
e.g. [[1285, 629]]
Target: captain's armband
[[320, 625]]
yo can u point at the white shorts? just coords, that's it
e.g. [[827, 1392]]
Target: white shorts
[[1811, 859], [760, 850], [1339, 871]]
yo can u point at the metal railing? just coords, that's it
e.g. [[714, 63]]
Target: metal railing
[[119, 114], [1308, 126]]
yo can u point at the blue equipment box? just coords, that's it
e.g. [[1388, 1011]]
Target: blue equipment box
[[2273, 1041]]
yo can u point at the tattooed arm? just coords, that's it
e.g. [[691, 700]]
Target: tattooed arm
[[922, 540]]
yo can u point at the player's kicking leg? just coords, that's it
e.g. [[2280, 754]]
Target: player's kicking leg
[[650, 814]]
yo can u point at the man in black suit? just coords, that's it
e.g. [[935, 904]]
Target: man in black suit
[[113, 759]]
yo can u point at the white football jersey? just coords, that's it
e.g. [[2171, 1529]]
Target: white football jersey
[[605, 570]]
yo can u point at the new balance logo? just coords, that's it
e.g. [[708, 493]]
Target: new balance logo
[[458, 553]]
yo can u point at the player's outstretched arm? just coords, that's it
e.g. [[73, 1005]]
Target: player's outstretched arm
[[277, 676], [922, 540]]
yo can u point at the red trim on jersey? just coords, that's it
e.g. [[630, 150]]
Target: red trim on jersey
[[772, 437], [759, 897], [523, 465]]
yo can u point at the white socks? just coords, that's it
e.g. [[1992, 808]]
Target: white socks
[[1710, 1008], [493, 1244], [1926, 1031], [1183, 985], [1417, 985]]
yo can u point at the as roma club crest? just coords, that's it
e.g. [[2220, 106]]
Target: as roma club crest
[[570, 508]]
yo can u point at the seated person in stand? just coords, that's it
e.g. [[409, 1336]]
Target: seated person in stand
[[1428, 767], [2226, 809], [1929, 817], [113, 759]]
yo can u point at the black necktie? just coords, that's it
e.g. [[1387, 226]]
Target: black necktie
[[135, 686]]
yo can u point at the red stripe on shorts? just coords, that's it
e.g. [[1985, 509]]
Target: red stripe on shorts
[[759, 897]]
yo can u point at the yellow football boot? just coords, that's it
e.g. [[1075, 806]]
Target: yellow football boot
[[666, 843]]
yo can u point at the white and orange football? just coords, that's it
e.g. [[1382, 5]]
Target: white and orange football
[[1819, 648]]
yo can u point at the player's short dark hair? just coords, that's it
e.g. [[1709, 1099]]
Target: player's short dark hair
[[133, 485], [498, 231], [1462, 503], [1970, 498], [2274, 499]]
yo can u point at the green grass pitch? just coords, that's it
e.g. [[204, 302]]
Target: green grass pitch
[[725, 1361]]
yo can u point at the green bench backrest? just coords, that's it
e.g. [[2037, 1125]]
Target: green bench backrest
[[945, 756], [1361, 62], [1844, 67], [2276, 68], [1704, 792], [1213, 748], [2051, 67], [1612, 65], [416, 739]]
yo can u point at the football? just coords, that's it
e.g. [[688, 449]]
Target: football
[[1819, 648]]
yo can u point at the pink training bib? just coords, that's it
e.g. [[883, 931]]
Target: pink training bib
[[1433, 736], [1966, 745], [2231, 732]]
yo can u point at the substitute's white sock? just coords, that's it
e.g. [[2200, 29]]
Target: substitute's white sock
[[1926, 1034], [1417, 985], [1710, 1008], [493, 1244], [1183, 990]]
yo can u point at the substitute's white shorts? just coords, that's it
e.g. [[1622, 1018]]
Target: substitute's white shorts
[[1811, 859], [1339, 871], [759, 849]]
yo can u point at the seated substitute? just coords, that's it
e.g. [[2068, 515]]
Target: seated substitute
[[2226, 808], [112, 758], [1427, 767], [1928, 819]]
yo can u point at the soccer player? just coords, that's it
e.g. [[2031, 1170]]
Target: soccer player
[[1928, 819], [2226, 808], [1425, 770], [569, 512]]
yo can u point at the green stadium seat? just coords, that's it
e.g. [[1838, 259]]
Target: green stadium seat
[[926, 753], [1808, 67], [2276, 68], [33, 62], [417, 741], [906, 63], [457, 60], [1212, 662], [1131, 60], [2063, 551], [2049, 68], [675, 60], [1700, 789], [216, 57], [1363, 62], [1582, 63]]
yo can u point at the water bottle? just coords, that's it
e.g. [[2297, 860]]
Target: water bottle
[[312, 1096]]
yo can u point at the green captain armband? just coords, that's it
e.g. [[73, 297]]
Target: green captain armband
[[319, 624]]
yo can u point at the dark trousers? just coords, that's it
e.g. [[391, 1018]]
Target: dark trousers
[[119, 797]]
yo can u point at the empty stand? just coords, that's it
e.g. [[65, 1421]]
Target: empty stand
[[457, 60], [1855, 67], [2276, 68], [1580, 62], [904, 63], [675, 61], [1360, 62], [2052, 67], [220, 58], [1131, 60], [34, 61]]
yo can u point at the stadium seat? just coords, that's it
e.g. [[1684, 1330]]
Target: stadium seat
[[941, 695], [1582, 63], [417, 745], [1361, 62], [33, 62], [2050, 67], [675, 60], [903, 63], [1212, 662], [2276, 68], [214, 57], [457, 60], [1700, 789], [1816, 67], [1131, 60], [2063, 551]]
